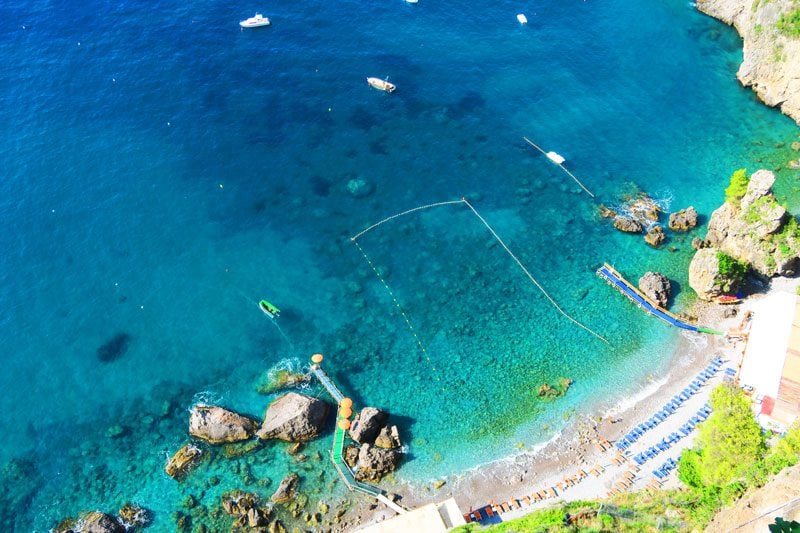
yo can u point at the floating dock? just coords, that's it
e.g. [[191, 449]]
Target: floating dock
[[616, 280], [339, 437]]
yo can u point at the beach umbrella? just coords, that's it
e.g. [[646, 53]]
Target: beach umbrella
[[346, 402], [345, 412], [344, 424], [317, 358]]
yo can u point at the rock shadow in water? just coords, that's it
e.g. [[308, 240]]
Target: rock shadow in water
[[114, 348]]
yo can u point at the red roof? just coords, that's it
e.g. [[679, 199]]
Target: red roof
[[767, 405]]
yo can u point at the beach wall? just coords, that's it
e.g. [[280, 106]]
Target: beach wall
[[771, 63]]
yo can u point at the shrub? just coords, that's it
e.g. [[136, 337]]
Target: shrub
[[731, 269], [789, 23], [738, 186]]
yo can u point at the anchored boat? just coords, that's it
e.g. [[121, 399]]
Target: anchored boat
[[269, 309], [255, 22], [383, 85]]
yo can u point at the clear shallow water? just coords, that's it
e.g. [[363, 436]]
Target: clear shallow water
[[163, 172]]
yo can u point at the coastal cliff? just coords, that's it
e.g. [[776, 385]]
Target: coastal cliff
[[771, 64]]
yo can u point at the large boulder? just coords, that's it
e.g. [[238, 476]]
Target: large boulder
[[627, 225], [97, 522], [219, 426], [134, 517], [374, 463], [294, 417], [388, 438], [683, 220], [367, 425], [704, 275], [655, 236], [657, 287], [183, 461], [287, 489]]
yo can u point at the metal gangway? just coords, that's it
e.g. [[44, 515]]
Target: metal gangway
[[337, 450]]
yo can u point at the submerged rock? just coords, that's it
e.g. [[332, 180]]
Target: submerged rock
[[217, 425], [657, 287], [114, 348], [238, 502], [683, 220], [367, 425], [360, 188], [183, 461], [282, 379], [287, 489], [294, 417]]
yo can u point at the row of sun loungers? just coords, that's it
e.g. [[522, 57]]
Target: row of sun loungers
[[670, 407], [476, 516], [730, 374], [674, 437], [666, 468]]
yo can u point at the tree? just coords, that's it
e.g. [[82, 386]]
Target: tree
[[737, 187], [730, 440]]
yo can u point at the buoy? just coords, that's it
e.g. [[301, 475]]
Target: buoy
[[344, 424], [345, 412], [346, 402], [317, 358], [522, 19]]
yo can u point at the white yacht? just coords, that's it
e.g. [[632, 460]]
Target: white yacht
[[383, 85], [255, 22]]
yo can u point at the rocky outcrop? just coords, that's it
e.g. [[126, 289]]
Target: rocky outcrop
[[657, 287], [134, 517], [705, 276], [771, 64], [683, 220], [388, 438], [655, 236], [183, 461], [244, 506], [757, 230], [627, 225], [294, 417], [97, 522], [219, 426], [367, 425], [374, 463], [287, 489]]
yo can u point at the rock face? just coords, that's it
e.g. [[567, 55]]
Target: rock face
[[97, 522], [770, 64], [367, 425], [183, 461], [757, 231], [374, 463], [704, 275], [219, 426], [655, 236], [657, 287], [683, 220], [286, 490], [294, 417], [628, 225]]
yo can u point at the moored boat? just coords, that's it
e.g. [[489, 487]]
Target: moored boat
[[255, 22], [269, 309], [522, 19], [555, 158], [383, 85], [728, 299]]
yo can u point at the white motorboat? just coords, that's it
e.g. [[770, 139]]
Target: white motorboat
[[555, 158], [383, 85], [522, 19], [255, 22]]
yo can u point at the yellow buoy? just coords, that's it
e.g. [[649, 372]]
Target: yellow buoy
[[346, 402], [317, 358], [345, 412], [344, 424]]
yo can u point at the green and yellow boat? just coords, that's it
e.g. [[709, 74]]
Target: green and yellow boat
[[269, 309]]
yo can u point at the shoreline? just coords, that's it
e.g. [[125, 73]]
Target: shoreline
[[574, 449]]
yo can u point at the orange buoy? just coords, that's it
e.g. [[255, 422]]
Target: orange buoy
[[344, 424], [346, 402], [317, 358], [345, 412]]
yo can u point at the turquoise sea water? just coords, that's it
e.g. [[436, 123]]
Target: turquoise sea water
[[163, 171]]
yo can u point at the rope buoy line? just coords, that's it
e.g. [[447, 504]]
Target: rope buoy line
[[402, 313], [570, 174], [495, 235]]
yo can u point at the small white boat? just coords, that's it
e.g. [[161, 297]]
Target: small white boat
[[255, 22], [555, 158], [383, 85], [522, 19], [412, 1]]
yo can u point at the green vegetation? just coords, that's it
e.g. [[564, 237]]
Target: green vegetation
[[731, 270], [788, 238], [738, 186], [789, 23]]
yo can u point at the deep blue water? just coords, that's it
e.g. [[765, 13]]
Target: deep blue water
[[162, 171]]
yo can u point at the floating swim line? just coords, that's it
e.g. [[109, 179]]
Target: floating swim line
[[464, 201]]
